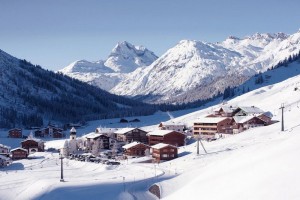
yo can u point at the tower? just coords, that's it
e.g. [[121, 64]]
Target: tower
[[72, 133]]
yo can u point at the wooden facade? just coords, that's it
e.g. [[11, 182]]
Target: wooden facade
[[33, 145], [245, 123], [132, 134], [135, 149], [50, 131], [163, 151], [166, 136], [208, 127], [15, 133], [19, 153]]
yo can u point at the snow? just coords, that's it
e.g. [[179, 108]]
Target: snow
[[210, 119], [260, 163], [106, 74], [132, 144], [161, 145], [124, 130], [160, 132]]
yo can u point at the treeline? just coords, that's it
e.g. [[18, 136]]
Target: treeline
[[34, 93]]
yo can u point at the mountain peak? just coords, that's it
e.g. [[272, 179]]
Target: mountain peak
[[126, 57]]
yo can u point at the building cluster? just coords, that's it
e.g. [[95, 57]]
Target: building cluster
[[230, 120], [50, 131], [133, 142], [27, 147]]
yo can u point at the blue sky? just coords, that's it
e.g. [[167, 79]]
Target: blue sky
[[56, 33]]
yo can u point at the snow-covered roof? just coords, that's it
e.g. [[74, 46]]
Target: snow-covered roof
[[242, 119], [73, 130], [160, 132], [171, 124], [228, 109], [34, 139], [124, 130], [94, 135], [132, 144], [3, 146], [19, 148], [161, 145], [252, 110], [211, 119], [106, 130]]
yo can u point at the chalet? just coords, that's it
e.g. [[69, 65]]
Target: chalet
[[247, 111], [99, 139], [33, 145], [107, 131], [224, 111], [163, 151], [208, 127], [50, 131], [19, 153], [242, 123], [132, 134], [135, 149], [171, 126], [15, 133], [4, 149], [166, 136], [266, 117]]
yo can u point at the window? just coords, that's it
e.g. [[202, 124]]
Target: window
[[172, 150], [165, 150], [165, 155]]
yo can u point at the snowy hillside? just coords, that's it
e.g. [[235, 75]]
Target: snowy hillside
[[206, 68], [123, 59], [260, 163], [31, 96]]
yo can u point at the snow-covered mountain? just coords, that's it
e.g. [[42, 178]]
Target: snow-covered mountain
[[195, 70], [123, 59]]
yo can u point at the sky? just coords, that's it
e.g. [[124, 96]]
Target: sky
[[55, 33]]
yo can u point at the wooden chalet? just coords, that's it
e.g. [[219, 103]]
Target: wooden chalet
[[15, 133], [224, 111], [135, 149], [162, 151], [207, 127], [99, 138], [50, 131], [33, 145], [19, 153], [242, 123], [166, 136], [171, 126], [110, 132], [132, 134]]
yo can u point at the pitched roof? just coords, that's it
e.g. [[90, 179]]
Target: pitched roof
[[228, 109], [34, 139], [242, 119], [19, 148], [161, 145], [160, 132], [106, 130], [211, 119], [124, 130], [132, 144], [252, 110], [3, 146], [93, 135]]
